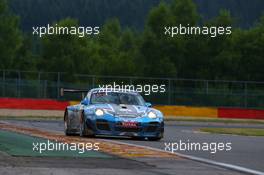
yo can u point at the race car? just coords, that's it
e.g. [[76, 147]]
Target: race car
[[104, 112]]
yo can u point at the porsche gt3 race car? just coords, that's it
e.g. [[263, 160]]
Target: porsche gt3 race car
[[114, 113]]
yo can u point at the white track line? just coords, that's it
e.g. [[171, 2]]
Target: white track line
[[194, 158]]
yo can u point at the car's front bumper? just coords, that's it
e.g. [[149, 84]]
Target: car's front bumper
[[112, 126]]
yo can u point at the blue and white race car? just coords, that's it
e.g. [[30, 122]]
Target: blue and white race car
[[114, 113]]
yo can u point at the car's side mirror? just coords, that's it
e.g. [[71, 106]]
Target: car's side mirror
[[148, 105], [85, 102]]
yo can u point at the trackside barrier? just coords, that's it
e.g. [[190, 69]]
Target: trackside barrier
[[32, 104], [171, 111], [240, 113], [188, 111], [232, 113]]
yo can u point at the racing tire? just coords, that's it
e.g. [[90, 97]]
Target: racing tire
[[66, 125], [139, 138], [154, 138], [84, 131]]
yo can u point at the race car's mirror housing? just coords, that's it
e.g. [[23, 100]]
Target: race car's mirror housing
[[148, 105], [85, 102]]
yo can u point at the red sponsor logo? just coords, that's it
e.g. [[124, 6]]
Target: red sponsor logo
[[129, 124]]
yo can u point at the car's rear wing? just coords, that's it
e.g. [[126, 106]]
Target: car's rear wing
[[65, 90]]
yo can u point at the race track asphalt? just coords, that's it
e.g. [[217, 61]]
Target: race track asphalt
[[246, 151]]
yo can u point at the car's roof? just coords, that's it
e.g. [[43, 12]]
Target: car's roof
[[118, 90]]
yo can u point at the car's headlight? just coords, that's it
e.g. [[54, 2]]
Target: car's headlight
[[152, 115], [99, 112]]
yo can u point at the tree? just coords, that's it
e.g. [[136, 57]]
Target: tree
[[117, 49], [249, 47], [25, 59], [184, 12], [220, 49], [69, 53], [10, 37], [158, 18], [155, 46]]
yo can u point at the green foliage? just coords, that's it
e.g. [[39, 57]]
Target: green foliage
[[120, 50], [69, 53], [117, 49], [10, 37], [159, 17], [184, 12], [25, 59]]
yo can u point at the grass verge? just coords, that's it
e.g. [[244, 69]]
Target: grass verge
[[235, 131]]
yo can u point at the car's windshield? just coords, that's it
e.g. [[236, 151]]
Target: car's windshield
[[117, 98]]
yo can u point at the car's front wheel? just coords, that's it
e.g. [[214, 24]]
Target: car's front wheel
[[84, 131], [157, 138], [154, 138], [66, 125]]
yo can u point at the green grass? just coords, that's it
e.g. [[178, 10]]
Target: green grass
[[22, 145], [215, 120], [235, 131]]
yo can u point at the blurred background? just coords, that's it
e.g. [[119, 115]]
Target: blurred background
[[226, 71]]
